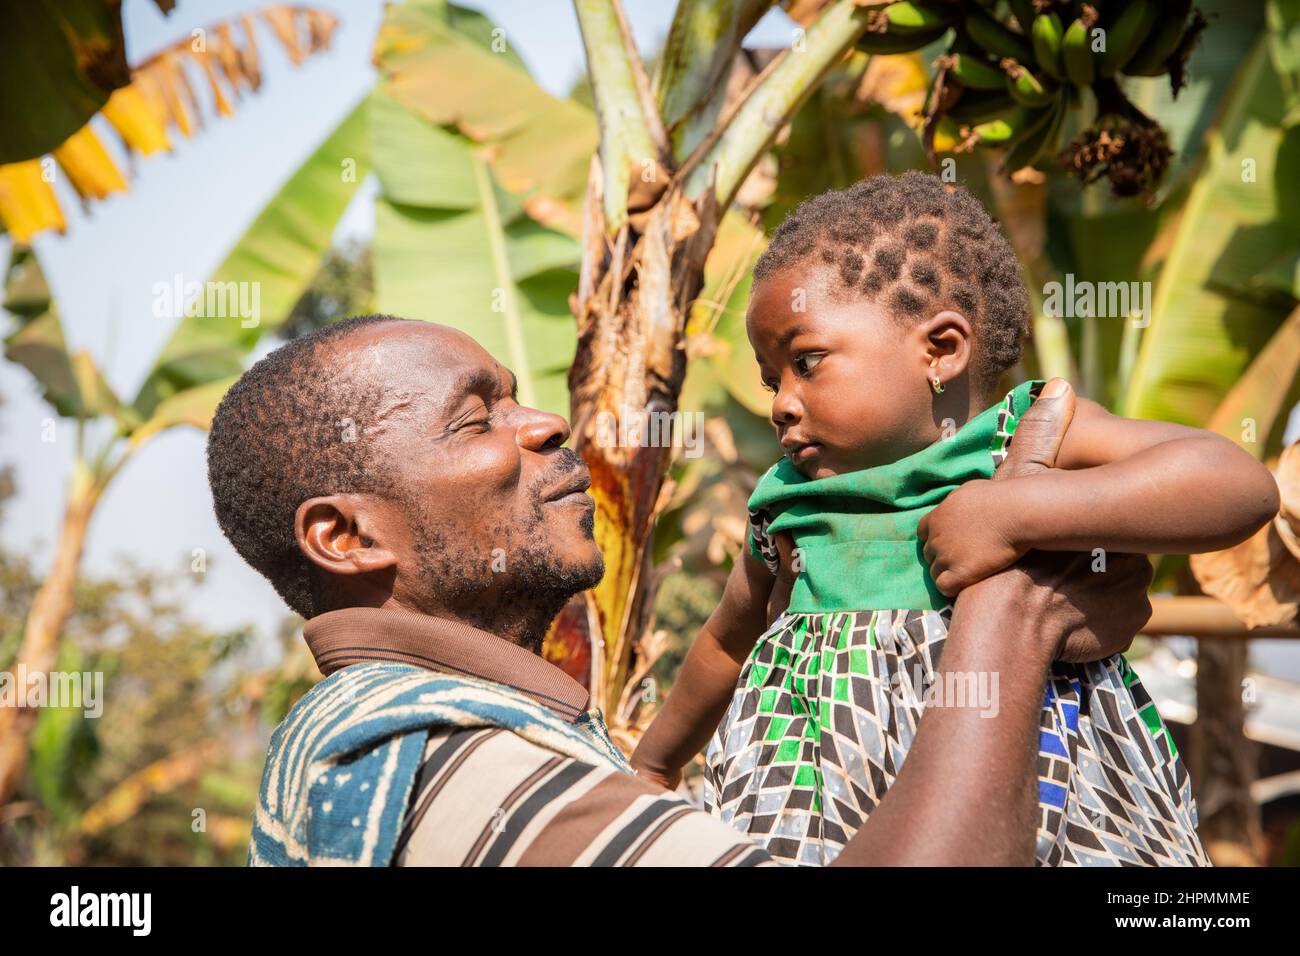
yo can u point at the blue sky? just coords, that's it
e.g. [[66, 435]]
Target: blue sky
[[182, 214]]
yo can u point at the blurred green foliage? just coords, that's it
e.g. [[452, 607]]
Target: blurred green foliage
[[177, 753]]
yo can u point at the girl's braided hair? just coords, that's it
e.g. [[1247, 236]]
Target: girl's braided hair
[[916, 247]]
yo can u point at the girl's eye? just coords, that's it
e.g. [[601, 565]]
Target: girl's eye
[[770, 386], [804, 364]]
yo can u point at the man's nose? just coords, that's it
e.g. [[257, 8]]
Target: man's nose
[[541, 430]]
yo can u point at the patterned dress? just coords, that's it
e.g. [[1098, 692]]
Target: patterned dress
[[829, 700]]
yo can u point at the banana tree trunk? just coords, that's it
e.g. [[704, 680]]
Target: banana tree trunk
[[49, 612], [624, 384]]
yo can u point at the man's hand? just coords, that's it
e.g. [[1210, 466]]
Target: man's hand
[[1097, 613], [1040, 432], [669, 780]]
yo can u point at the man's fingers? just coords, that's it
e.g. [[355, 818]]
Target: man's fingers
[[1040, 432]]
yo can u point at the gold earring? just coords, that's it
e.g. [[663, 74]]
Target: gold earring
[[936, 385]]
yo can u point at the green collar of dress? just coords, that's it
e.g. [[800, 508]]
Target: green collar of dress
[[856, 532]]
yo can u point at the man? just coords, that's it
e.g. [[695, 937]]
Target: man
[[381, 474]]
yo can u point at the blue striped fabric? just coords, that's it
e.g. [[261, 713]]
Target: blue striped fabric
[[341, 765]]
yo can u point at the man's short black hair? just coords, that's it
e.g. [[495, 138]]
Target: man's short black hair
[[285, 432], [914, 246]]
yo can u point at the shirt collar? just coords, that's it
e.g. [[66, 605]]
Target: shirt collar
[[353, 635]]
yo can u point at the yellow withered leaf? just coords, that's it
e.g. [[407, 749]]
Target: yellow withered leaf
[[228, 55], [90, 169], [161, 93], [27, 201], [281, 21], [218, 94], [249, 60], [138, 120], [320, 29]]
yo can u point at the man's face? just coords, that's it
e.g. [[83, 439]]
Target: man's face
[[489, 508]]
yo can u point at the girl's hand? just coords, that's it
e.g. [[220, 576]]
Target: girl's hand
[[970, 536]]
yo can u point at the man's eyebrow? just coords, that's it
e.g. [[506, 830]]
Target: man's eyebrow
[[484, 382], [479, 381]]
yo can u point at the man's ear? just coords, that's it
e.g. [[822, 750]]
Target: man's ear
[[948, 345], [339, 534]]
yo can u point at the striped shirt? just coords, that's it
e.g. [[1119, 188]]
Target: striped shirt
[[487, 797]]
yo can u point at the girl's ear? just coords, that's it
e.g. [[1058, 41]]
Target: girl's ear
[[948, 345]]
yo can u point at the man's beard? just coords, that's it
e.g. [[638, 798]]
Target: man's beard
[[534, 582]]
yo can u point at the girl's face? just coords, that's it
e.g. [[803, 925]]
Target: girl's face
[[851, 385]]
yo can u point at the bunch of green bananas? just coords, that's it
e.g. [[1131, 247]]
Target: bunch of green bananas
[[1014, 69]]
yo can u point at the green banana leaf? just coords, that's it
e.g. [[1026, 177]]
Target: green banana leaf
[[726, 365], [26, 293], [1264, 392], [63, 741], [70, 383], [193, 406], [1284, 46], [474, 26], [280, 253], [452, 246], [39, 346], [541, 146], [1208, 323]]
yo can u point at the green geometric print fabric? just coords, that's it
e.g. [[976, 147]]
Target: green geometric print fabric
[[826, 709], [828, 702]]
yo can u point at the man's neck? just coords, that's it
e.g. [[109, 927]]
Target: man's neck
[[520, 622]]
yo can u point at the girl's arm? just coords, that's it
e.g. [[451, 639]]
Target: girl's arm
[[1146, 487], [707, 677], [1135, 486]]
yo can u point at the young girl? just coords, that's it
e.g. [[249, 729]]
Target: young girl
[[882, 318]]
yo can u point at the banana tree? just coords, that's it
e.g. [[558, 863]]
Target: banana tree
[[71, 56], [192, 375], [500, 246]]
